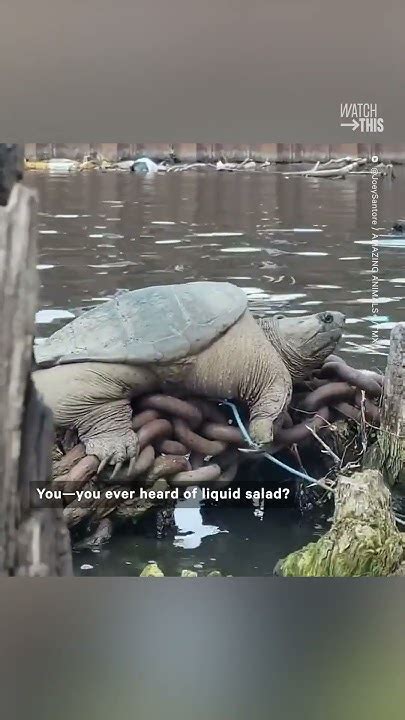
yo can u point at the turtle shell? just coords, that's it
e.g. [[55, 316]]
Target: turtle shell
[[152, 325]]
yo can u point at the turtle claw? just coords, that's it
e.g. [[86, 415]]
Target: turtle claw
[[131, 466], [116, 470], [102, 465], [112, 449]]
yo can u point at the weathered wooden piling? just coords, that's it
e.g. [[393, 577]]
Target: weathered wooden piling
[[391, 437], [32, 542], [11, 168]]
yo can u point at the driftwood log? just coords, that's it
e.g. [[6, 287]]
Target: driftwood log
[[33, 542], [335, 168], [332, 169]]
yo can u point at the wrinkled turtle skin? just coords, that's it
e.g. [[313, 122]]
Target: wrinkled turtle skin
[[193, 338]]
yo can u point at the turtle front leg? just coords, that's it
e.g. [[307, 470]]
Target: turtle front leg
[[95, 398], [267, 410], [106, 432]]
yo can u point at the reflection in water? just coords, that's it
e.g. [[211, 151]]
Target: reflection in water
[[190, 526], [293, 244]]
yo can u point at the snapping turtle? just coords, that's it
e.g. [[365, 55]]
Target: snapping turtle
[[197, 338]]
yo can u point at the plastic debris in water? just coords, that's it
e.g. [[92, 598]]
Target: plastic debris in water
[[144, 165]]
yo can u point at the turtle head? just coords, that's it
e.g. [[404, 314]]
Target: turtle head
[[304, 342]]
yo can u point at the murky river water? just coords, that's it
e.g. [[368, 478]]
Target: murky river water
[[293, 244]]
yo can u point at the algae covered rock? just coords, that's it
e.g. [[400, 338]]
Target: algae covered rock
[[363, 539], [151, 570]]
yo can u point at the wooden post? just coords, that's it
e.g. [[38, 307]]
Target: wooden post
[[33, 542], [11, 168], [391, 437]]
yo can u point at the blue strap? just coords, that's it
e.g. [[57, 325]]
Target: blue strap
[[253, 445]]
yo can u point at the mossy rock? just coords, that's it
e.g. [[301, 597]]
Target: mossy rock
[[363, 539], [151, 570]]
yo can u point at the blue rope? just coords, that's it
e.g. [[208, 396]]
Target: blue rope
[[256, 447], [270, 457]]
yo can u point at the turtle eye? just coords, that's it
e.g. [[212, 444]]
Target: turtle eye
[[327, 317], [279, 317]]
